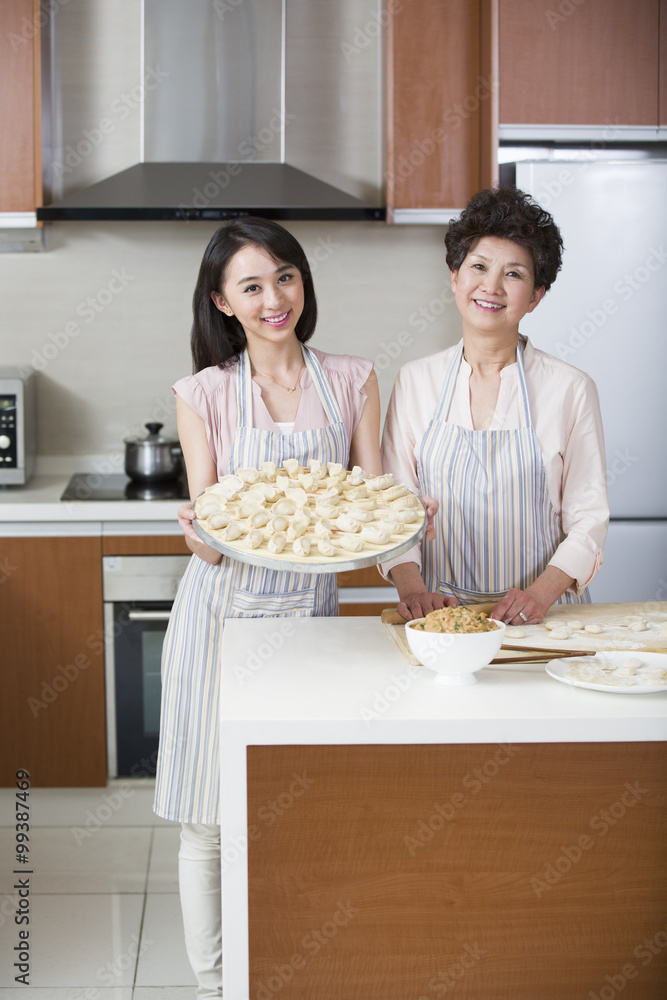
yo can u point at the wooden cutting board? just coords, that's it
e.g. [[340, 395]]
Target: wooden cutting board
[[614, 620]]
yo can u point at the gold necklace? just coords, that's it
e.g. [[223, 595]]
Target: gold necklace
[[254, 371]]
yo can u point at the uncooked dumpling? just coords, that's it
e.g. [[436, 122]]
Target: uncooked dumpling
[[295, 512]]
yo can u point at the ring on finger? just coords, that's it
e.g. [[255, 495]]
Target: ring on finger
[[524, 618]]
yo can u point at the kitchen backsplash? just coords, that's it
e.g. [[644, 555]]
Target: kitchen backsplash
[[104, 316]]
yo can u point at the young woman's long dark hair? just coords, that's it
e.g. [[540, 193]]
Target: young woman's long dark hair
[[217, 339]]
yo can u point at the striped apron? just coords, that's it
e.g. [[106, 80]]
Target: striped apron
[[188, 771], [496, 527]]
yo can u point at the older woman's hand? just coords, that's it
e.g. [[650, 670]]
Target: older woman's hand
[[529, 606], [419, 604], [518, 607]]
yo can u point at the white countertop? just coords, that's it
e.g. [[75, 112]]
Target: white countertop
[[290, 681], [344, 680], [36, 509]]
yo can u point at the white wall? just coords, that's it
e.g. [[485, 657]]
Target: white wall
[[125, 290]]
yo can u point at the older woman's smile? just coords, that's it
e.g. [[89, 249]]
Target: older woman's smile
[[485, 304]]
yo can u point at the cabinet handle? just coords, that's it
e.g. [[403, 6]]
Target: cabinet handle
[[149, 616]]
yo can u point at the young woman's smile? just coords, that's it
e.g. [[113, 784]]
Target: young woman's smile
[[265, 295]]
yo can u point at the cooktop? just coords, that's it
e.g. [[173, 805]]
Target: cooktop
[[118, 486]]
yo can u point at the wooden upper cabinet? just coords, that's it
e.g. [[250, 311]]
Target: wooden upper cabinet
[[580, 62], [441, 91], [20, 170]]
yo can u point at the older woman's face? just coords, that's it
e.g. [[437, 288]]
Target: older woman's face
[[494, 287]]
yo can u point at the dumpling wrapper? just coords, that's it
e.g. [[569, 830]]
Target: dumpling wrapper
[[254, 538], [351, 543], [292, 467], [301, 546], [248, 476], [277, 542]]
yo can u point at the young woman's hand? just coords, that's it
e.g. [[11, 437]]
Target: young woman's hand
[[186, 516]]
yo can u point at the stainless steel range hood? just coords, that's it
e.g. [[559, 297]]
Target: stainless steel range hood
[[240, 107]]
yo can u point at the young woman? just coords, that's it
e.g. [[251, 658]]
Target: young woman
[[506, 437], [258, 394]]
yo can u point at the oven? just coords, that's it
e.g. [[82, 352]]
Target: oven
[[138, 595]]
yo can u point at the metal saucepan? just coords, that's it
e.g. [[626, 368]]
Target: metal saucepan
[[153, 459]]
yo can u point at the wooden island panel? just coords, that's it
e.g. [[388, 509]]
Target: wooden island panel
[[480, 871]]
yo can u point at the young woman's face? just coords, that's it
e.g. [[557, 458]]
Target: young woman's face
[[495, 286], [266, 297]]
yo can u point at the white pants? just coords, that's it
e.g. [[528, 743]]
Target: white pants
[[201, 903]]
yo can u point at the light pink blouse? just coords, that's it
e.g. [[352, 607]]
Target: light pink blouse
[[565, 411], [212, 395]]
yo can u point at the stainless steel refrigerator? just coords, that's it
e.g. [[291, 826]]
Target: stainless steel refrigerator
[[607, 315]]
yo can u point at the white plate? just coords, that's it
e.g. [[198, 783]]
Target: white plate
[[558, 670]]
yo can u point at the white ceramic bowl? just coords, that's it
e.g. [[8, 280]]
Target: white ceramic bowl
[[455, 656]]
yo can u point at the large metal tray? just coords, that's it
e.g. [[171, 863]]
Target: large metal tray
[[314, 565]]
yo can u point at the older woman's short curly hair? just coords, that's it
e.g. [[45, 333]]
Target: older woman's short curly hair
[[509, 214]]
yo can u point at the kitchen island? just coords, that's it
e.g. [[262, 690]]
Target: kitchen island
[[387, 837]]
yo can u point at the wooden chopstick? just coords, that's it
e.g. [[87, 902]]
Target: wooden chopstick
[[553, 652], [531, 658]]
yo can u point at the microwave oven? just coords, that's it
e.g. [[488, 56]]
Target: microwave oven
[[18, 425]]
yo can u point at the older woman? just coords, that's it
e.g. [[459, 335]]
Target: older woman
[[507, 438]]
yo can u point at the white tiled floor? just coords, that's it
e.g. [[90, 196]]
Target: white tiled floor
[[105, 919]]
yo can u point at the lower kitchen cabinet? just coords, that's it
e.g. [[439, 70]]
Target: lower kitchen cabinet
[[52, 662], [53, 716]]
